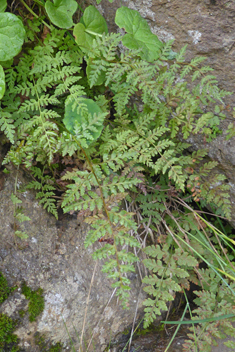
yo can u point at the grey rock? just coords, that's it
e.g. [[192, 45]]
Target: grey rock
[[54, 258]]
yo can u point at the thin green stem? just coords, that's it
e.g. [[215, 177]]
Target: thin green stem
[[40, 3], [80, 8], [175, 333], [93, 33], [101, 194], [34, 14]]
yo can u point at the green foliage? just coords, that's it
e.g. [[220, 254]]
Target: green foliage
[[56, 348], [99, 1], [170, 272], [5, 290], [7, 325], [36, 301], [44, 184], [2, 82], [84, 120], [7, 338], [7, 126], [69, 111], [212, 300], [3, 5], [11, 36], [139, 35], [60, 12], [43, 345], [231, 128], [92, 24]]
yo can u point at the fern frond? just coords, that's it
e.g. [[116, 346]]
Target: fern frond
[[170, 267], [7, 125]]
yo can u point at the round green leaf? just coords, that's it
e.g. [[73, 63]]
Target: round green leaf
[[75, 117], [7, 64], [139, 35], [61, 12], [12, 35], [81, 37], [3, 5], [92, 24], [2, 82]]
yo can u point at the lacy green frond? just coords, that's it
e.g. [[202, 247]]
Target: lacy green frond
[[109, 132], [169, 268]]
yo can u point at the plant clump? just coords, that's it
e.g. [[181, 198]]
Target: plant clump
[[7, 338], [43, 345], [5, 290], [36, 301], [68, 108]]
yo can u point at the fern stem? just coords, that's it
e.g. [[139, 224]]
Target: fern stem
[[34, 14], [15, 191], [104, 204], [93, 33], [40, 3], [101, 194], [40, 114]]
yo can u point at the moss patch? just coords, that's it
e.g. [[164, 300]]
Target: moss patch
[[22, 313], [8, 340], [43, 345], [36, 301], [5, 290]]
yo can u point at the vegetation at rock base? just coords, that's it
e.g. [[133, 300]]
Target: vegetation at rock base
[[22, 313], [7, 325], [43, 345], [7, 338], [5, 290], [98, 125], [36, 301]]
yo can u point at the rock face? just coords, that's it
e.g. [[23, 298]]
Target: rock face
[[208, 28], [54, 258]]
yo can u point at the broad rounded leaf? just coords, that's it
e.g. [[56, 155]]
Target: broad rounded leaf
[[92, 24], [12, 35], [7, 64], [61, 12], [74, 118], [3, 5], [81, 37], [2, 82], [139, 35]]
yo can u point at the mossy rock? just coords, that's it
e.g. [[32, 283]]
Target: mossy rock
[[5, 290], [36, 301], [8, 340], [44, 345]]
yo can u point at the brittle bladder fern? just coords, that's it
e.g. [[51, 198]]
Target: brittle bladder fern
[[67, 100]]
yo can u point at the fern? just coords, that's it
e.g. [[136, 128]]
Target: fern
[[214, 299], [169, 270], [6, 125], [136, 144], [44, 184]]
